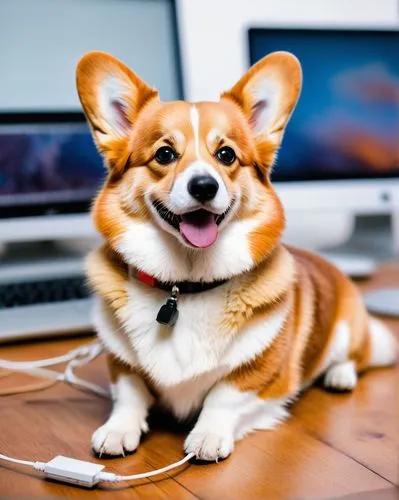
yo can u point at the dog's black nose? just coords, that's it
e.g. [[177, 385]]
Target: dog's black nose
[[203, 187]]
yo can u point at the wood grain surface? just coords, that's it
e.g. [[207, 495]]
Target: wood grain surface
[[334, 446]]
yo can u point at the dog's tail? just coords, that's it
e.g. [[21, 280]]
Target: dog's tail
[[383, 345]]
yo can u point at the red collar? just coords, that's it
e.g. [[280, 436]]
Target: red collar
[[183, 286]]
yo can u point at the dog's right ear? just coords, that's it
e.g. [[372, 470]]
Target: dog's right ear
[[111, 96], [267, 95]]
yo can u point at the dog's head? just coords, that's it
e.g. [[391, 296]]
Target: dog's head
[[188, 193]]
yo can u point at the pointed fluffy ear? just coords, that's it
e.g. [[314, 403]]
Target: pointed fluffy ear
[[267, 94], [111, 96]]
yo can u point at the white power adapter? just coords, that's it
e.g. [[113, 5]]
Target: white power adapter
[[69, 470]]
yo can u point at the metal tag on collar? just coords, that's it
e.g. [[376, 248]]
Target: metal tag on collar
[[169, 313]]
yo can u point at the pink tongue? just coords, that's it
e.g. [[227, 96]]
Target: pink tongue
[[200, 231]]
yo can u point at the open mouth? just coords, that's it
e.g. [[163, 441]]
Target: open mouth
[[198, 228]]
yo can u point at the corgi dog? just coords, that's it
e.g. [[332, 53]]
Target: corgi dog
[[199, 306]]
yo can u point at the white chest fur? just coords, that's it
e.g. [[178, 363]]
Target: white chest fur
[[190, 348], [185, 361]]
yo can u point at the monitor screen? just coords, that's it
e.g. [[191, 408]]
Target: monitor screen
[[346, 124], [48, 164]]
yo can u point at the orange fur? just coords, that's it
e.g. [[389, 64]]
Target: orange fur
[[321, 296], [108, 277]]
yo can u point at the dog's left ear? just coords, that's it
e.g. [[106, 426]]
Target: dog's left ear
[[267, 94]]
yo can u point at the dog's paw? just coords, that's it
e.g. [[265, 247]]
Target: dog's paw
[[116, 440], [209, 446], [341, 376]]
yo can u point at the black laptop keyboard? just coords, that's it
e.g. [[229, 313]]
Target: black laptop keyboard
[[39, 292]]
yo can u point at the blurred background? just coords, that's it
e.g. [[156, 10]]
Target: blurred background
[[337, 172]]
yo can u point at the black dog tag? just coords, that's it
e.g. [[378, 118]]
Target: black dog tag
[[169, 313]]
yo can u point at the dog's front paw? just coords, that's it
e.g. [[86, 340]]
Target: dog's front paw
[[116, 439], [209, 446]]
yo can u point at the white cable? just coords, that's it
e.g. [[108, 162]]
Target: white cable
[[36, 465], [69, 376], [16, 460], [22, 365], [87, 473], [75, 358], [110, 477]]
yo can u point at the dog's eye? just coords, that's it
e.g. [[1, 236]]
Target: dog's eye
[[226, 155], [165, 155]]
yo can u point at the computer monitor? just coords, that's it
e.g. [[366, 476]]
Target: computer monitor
[[49, 167], [345, 129]]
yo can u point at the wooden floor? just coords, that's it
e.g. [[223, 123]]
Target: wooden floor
[[334, 446]]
